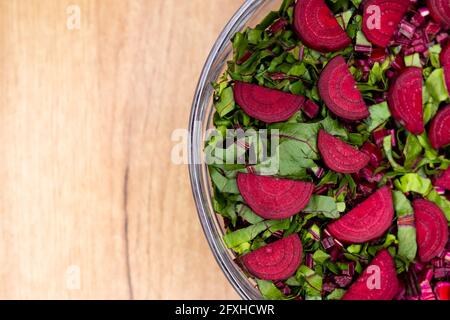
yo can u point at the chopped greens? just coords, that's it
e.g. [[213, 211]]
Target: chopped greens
[[273, 56]]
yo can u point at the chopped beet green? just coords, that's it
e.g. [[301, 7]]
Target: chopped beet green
[[330, 156]]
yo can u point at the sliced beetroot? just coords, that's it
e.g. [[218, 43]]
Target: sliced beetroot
[[405, 99], [338, 90], [274, 198], [445, 55], [443, 180], [267, 105], [339, 156], [445, 62], [311, 109], [317, 27], [367, 221], [378, 282], [276, 261], [440, 129], [440, 11], [432, 230], [391, 12]]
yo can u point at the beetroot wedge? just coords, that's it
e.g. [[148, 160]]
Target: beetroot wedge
[[339, 156], [368, 221], [380, 31], [432, 230], [440, 11], [273, 198], [445, 55], [440, 129], [405, 99], [276, 261], [266, 104], [339, 92], [443, 180], [317, 27], [311, 109], [445, 62], [378, 282]]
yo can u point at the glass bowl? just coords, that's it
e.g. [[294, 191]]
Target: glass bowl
[[250, 14]]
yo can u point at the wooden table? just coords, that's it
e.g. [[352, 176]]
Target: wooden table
[[91, 205]]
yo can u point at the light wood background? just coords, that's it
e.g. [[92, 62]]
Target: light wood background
[[90, 204]]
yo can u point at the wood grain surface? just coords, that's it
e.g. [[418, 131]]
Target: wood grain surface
[[91, 205]]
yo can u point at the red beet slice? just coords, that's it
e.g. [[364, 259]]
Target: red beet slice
[[274, 198], [440, 11], [445, 62], [339, 92], [443, 180], [432, 230], [391, 12], [367, 288], [445, 55], [311, 109], [267, 105], [276, 261], [339, 156], [317, 27], [405, 99], [367, 221], [440, 129]]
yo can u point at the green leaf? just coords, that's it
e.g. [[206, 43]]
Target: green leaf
[[440, 201], [407, 243], [401, 204], [361, 39], [223, 183], [297, 150], [293, 160], [354, 248], [413, 61], [430, 110], [376, 74], [240, 45], [234, 239], [413, 182], [269, 291], [436, 85], [320, 256], [334, 127], [312, 282], [337, 294], [387, 146], [323, 205], [379, 114], [304, 134], [434, 52], [292, 281], [430, 152], [254, 36], [247, 214], [412, 150], [226, 103]]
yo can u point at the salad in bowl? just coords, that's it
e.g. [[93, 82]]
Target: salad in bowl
[[329, 161]]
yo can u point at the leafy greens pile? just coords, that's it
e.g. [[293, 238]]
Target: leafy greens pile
[[271, 55]]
